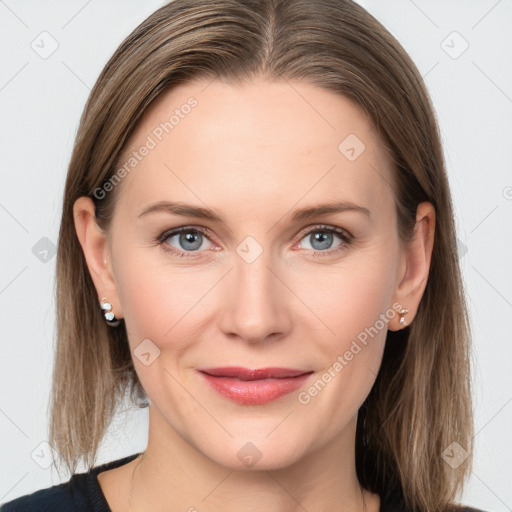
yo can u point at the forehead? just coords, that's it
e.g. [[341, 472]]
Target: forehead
[[255, 144]]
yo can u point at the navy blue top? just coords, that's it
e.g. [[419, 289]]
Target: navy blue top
[[82, 493]]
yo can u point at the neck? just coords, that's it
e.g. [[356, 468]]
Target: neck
[[173, 472]]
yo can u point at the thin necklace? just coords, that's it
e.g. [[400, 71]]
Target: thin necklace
[[131, 480], [144, 452]]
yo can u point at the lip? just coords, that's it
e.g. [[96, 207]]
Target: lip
[[254, 386]]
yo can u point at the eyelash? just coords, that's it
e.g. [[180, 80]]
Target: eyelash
[[345, 236]]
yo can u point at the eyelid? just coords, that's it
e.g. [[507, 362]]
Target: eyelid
[[325, 227]]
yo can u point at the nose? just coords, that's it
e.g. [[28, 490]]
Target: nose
[[255, 302]]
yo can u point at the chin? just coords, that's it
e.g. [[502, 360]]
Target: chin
[[259, 453]]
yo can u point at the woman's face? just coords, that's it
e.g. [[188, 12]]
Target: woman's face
[[255, 281]]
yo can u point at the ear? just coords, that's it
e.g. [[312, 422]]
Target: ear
[[415, 265], [96, 251]]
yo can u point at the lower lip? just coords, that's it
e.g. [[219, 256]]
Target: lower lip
[[255, 392]]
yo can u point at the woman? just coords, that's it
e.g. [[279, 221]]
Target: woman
[[257, 243]]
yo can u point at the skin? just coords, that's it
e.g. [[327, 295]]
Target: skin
[[254, 153]]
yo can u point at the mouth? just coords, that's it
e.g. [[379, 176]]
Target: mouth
[[254, 386]]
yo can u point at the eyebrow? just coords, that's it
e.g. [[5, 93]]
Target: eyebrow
[[188, 210]]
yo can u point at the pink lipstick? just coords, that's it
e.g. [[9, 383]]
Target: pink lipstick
[[254, 386]]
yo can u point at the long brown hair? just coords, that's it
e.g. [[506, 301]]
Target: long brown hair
[[421, 401]]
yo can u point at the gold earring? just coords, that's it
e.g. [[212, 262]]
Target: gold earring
[[403, 312]]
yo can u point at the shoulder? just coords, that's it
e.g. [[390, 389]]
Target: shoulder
[[81, 493], [393, 501], [58, 497]]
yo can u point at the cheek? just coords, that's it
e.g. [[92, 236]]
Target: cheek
[[165, 306], [170, 304], [350, 298], [158, 302], [353, 303]]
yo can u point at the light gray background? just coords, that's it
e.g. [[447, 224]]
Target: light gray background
[[41, 99]]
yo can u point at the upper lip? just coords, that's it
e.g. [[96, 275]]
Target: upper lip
[[253, 373]]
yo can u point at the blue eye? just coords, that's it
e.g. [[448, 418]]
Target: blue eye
[[191, 240], [322, 239]]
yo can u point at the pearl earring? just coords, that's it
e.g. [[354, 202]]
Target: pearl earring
[[402, 312], [108, 314]]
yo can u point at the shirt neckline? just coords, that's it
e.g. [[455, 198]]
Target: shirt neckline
[[97, 497]]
